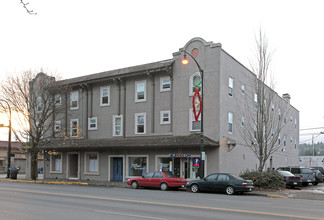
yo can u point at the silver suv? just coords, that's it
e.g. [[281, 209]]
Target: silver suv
[[305, 174]]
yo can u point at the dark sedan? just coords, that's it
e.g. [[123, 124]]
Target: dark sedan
[[290, 179], [221, 182]]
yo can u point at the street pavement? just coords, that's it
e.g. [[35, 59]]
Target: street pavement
[[309, 192]]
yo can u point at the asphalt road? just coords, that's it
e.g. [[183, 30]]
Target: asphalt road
[[23, 201]]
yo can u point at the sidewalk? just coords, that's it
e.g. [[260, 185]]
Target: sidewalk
[[309, 192]]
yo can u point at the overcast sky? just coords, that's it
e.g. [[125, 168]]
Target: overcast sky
[[80, 37]]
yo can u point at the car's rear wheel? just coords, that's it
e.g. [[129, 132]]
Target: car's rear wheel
[[164, 186], [194, 188], [134, 185], [230, 190], [305, 184], [315, 183]]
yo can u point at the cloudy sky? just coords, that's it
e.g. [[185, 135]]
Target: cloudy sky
[[80, 37]]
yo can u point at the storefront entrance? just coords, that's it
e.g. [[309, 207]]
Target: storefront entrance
[[182, 166]]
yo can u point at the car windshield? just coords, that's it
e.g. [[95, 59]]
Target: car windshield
[[306, 170], [170, 175], [285, 173]]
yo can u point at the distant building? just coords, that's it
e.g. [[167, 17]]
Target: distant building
[[139, 119], [311, 161], [18, 157]]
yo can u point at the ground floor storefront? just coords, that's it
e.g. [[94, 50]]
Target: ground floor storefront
[[106, 166]]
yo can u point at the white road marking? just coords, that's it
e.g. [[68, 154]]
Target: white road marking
[[131, 215]]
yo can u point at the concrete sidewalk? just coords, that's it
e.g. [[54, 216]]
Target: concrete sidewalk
[[309, 192]]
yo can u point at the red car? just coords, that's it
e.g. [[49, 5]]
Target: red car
[[163, 180]]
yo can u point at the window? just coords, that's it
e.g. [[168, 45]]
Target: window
[[230, 122], [211, 177], [256, 101], [291, 119], [242, 121], [279, 141], [58, 100], [243, 89], [295, 123], [223, 177], [57, 126], [193, 124], [285, 144], [56, 162], [117, 125], [291, 139], [92, 162], [92, 123], [255, 130], [165, 84], [272, 107], [165, 117], [140, 122], [279, 114], [39, 104], [158, 176], [104, 96], [74, 100], [140, 91], [295, 144], [137, 165], [230, 85], [195, 80], [74, 128]]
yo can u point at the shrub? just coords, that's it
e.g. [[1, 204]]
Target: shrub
[[265, 180]]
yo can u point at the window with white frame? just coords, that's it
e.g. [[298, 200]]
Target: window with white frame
[[193, 124], [58, 99], [195, 80], [243, 89], [140, 91], [272, 107], [295, 123], [39, 104], [256, 101], [56, 162], [117, 125], [242, 121], [92, 162], [165, 84], [92, 123], [104, 96], [165, 117], [74, 100], [230, 122], [140, 123], [57, 126], [74, 128], [137, 165], [279, 140], [285, 144], [231, 86]]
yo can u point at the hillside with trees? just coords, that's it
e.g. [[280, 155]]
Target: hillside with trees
[[307, 149]]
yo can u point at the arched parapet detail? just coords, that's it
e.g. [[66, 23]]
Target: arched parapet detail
[[198, 39]]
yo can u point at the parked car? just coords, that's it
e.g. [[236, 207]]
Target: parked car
[[321, 169], [305, 174], [162, 180], [290, 179], [318, 176], [221, 182]]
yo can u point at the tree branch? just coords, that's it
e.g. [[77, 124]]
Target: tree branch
[[31, 12]]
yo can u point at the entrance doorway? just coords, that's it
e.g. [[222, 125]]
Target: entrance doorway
[[73, 165], [117, 169]]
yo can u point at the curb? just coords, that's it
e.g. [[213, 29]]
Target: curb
[[44, 182], [276, 196]]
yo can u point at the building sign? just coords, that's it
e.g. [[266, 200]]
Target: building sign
[[179, 155], [196, 162]]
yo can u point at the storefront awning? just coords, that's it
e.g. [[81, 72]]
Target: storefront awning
[[131, 142]]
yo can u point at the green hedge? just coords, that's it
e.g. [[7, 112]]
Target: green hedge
[[265, 180]]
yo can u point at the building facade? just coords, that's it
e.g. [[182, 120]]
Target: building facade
[[124, 123]]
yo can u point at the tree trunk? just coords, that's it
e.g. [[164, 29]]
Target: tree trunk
[[34, 170]]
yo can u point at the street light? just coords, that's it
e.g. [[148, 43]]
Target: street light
[[9, 137], [185, 61]]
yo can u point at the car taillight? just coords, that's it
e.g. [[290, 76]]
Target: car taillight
[[244, 184], [287, 178]]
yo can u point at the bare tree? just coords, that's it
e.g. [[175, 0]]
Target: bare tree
[[32, 98], [263, 122]]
